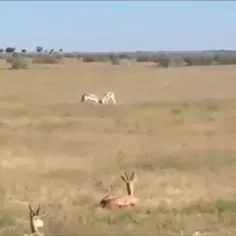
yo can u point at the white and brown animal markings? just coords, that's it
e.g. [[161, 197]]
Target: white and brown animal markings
[[95, 100], [89, 97], [108, 96], [35, 220], [114, 202]]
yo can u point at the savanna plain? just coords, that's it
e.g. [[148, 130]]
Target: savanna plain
[[175, 127]]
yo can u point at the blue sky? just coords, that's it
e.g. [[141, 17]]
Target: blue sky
[[118, 25]]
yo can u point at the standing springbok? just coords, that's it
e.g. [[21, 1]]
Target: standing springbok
[[107, 96], [35, 221], [89, 97], [114, 202]]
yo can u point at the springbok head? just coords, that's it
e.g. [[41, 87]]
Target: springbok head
[[35, 218]]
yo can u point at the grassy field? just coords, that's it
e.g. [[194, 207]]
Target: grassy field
[[175, 127]]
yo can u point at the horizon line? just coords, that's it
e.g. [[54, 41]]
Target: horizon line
[[132, 51]]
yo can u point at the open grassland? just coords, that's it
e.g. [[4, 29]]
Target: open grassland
[[175, 127]]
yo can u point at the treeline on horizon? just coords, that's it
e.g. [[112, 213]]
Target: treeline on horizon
[[160, 58]]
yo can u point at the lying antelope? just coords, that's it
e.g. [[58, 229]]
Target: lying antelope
[[125, 201], [35, 221], [107, 96]]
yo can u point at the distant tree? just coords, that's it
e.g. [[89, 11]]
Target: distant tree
[[39, 49], [1, 50], [23, 50], [51, 51], [10, 49], [60, 50]]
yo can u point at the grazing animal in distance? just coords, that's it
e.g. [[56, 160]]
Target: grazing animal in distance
[[96, 100], [108, 96], [35, 221], [89, 97], [114, 202]]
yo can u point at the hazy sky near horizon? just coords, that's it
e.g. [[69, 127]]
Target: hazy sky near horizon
[[118, 25]]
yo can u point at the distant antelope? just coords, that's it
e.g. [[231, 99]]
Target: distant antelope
[[124, 201], [107, 96], [35, 221], [89, 97], [94, 98]]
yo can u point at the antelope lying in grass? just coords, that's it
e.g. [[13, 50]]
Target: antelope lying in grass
[[112, 202], [35, 221], [95, 100]]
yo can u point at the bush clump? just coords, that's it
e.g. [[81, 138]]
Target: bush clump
[[47, 59], [89, 58], [17, 63], [114, 59], [164, 62]]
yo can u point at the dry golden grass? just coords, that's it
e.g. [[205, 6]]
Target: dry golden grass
[[67, 156]]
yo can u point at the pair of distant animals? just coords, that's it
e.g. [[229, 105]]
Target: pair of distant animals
[[108, 202], [96, 100]]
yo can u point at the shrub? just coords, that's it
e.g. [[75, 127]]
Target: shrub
[[100, 58], [70, 55], [18, 63], [89, 58], [163, 62], [226, 60], [198, 61], [78, 56], [47, 59], [94, 57], [143, 58], [206, 61], [114, 59], [123, 56], [187, 61], [176, 63]]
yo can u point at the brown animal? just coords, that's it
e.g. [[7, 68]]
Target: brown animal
[[35, 221], [113, 202]]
